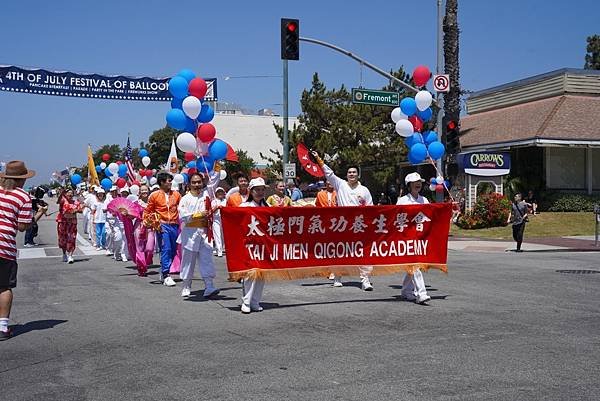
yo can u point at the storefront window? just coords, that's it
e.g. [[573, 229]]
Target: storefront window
[[565, 168]]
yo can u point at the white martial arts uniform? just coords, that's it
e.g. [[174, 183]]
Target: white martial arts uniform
[[253, 289], [217, 225], [413, 285], [348, 196]]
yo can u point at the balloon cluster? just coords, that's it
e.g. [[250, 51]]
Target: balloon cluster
[[116, 172], [189, 114], [437, 184], [409, 119]]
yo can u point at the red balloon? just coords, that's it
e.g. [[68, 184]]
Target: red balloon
[[416, 122], [421, 75], [206, 132], [198, 87], [192, 171], [121, 182], [189, 156], [106, 157], [142, 172], [439, 188], [119, 162], [136, 182], [148, 173]]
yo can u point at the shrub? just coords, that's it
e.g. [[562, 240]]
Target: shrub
[[558, 202], [490, 210]]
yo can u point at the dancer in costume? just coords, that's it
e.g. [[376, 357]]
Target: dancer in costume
[[88, 216], [279, 198], [218, 203], [238, 195], [144, 235], [99, 208], [66, 225], [349, 193], [413, 286], [195, 243], [165, 203], [253, 287]]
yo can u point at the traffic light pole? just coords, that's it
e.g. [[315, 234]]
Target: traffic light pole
[[286, 144]]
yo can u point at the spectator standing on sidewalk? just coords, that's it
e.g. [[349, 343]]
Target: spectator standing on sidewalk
[[15, 215]]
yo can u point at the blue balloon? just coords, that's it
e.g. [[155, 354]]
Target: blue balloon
[[143, 153], [409, 141], [204, 165], [190, 126], [417, 138], [408, 106], [176, 119], [177, 103], [412, 159], [432, 181], [178, 86], [206, 114], [191, 164], [447, 183], [186, 178], [426, 114], [430, 136], [106, 184], [187, 74], [98, 169], [107, 172], [417, 152], [217, 150], [75, 179], [436, 150], [122, 170]]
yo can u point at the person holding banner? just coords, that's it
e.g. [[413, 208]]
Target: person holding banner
[[253, 288], [195, 244], [349, 193], [326, 197], [279, 198], [413, 285], [238, 195]]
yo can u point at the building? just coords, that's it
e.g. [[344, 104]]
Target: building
[[550, 125]]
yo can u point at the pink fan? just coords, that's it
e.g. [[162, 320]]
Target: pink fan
[[120, 206]]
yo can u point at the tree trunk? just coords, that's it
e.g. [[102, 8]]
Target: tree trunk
[[451, 32]]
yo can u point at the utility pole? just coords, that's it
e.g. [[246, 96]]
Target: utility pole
[[286, 145], [439, 196]]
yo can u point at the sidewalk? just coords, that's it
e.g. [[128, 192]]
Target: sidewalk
[[548, 244]]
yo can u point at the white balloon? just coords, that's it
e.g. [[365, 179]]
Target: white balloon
[[222, 174], [398, 115], [146, 161], [132, 197], [404, 128], [113, 168], [191, 106], [134, 189], [423, 100], [153, 180], [102, 165], [114, 178], [432, 187], [439, 179], [178, 178], [186, 142]]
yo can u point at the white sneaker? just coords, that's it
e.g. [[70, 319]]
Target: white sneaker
[[98, 248], [169, 282], [185, 292], [421, 299], [28, 245], [70, 260], [245, 308], [256, 308], [366, 285], [337, 282], [332, 276], [408, 297], [123, 257], [108, 252]]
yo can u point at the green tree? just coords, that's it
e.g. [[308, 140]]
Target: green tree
[[592, 58], [245, 164], [346, 134], [159, 146]]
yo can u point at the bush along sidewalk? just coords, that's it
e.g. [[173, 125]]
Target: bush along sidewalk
[[490, 210], [560, 202]]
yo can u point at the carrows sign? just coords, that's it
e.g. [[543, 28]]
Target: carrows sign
[[64, 83], [486, 164]]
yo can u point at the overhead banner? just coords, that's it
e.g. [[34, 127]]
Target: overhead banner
[[299, 242], [64, 83]]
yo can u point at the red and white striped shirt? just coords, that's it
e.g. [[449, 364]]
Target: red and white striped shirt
[[15, 208]]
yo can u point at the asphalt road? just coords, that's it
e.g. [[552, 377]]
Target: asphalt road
[[501, 326]]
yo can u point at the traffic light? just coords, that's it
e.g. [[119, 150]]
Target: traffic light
[[290, 39], [451, 126]]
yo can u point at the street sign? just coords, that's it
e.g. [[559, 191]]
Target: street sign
[[375, 97], [441, 83], [289, 170]]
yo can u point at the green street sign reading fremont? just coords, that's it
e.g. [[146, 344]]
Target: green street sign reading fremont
[[375, 97]]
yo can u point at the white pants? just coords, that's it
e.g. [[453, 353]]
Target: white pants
[[86, 222], [218, 235], [117, 236], [365, 272], [414, 285], [110, 234], [252, 292], [201, 259]]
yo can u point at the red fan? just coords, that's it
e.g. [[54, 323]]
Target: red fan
[[305, 159], [120, 206]]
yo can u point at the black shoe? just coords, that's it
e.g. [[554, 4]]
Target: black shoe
[[5, 335], [519, 250]]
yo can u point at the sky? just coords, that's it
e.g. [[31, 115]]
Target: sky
[[500, 42]]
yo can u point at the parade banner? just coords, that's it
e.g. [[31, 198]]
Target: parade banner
[[64, 83], [298, 242]]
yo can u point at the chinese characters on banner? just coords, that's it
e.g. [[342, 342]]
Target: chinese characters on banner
[[292, 243]]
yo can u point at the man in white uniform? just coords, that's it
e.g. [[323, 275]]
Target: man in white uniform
[[349, 193], [413, 286]]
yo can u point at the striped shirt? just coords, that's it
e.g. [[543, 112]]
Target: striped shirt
[[15, 208]]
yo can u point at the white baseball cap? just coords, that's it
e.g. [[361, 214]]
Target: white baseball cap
[[413, 177], [100, 191], [256, 182], [124, 189]]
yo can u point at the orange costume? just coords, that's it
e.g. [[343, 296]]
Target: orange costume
[[235, 199], [326, 198]]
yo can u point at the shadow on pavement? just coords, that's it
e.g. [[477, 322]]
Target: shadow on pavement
[[35, 325]]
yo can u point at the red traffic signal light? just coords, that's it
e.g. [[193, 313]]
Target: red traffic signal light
[[290, 39], [451, 125]]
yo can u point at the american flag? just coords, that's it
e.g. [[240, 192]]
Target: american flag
[[129, 163]]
